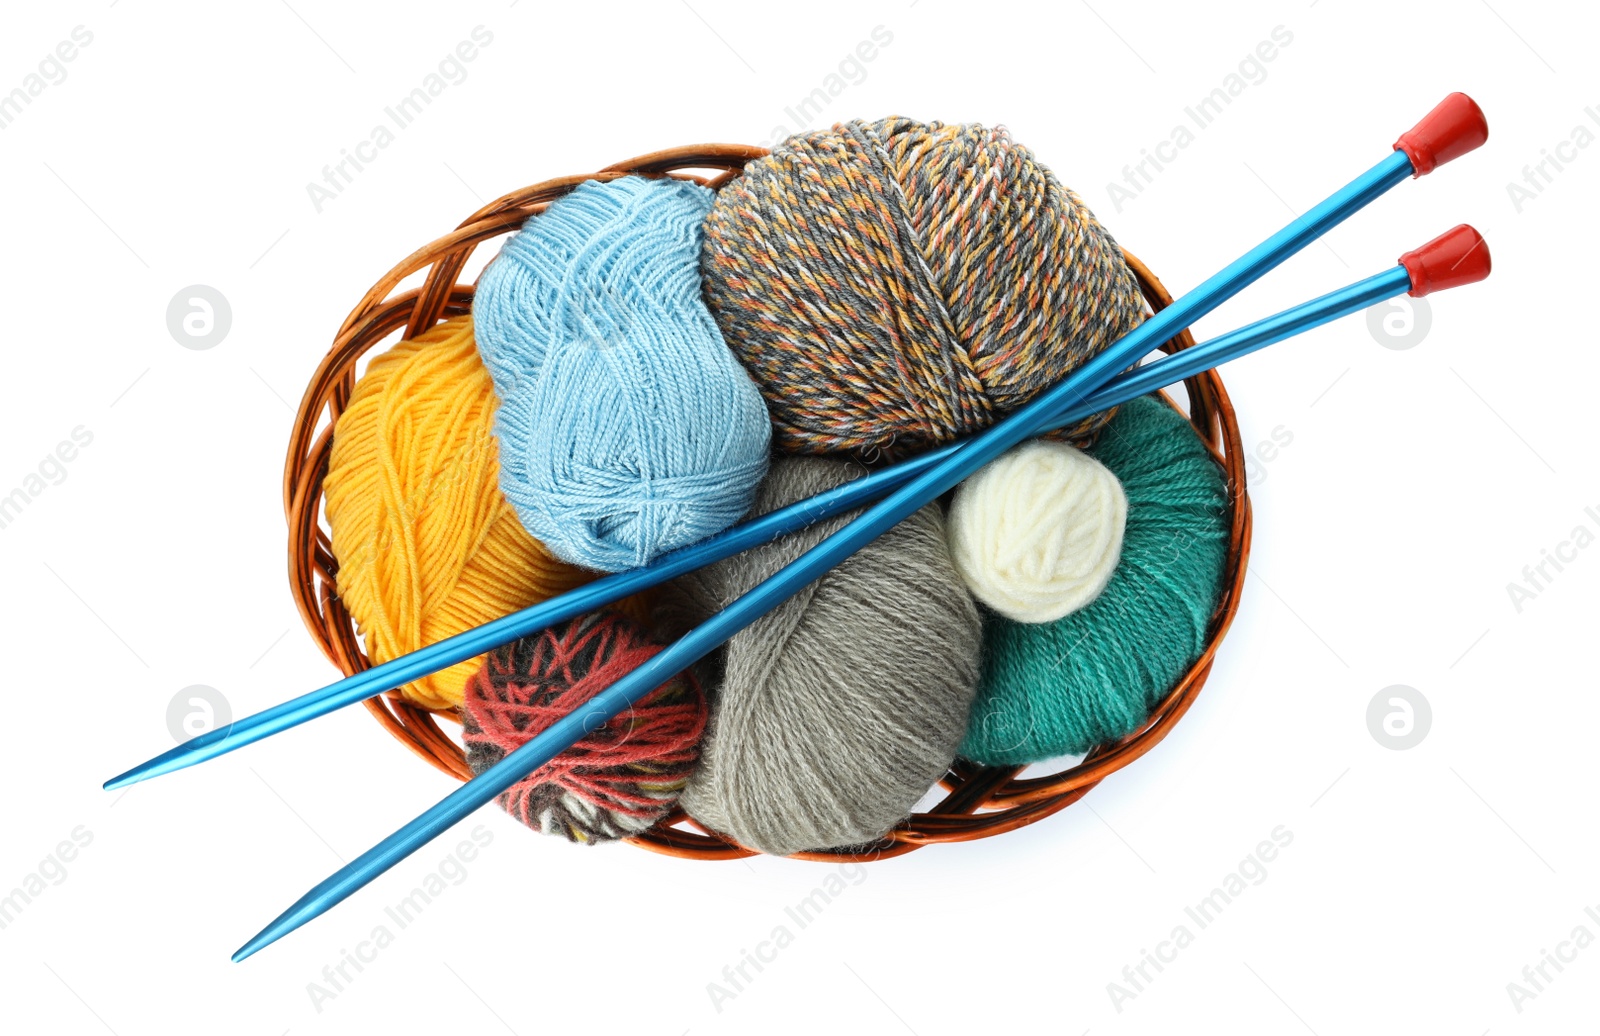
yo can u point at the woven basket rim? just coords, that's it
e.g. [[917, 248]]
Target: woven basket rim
[[979, 802]]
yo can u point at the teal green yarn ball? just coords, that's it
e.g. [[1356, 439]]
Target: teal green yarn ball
[[1060, 688]]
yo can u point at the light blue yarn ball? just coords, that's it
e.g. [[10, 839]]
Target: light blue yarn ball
[[626, 427]]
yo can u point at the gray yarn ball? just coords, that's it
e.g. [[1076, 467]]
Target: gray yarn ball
[[837, 711]]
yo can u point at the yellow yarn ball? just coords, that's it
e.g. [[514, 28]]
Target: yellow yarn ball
[[427, 545]]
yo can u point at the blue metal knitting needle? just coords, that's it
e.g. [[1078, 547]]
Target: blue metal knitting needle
[[1457, 257], [1452, 128]]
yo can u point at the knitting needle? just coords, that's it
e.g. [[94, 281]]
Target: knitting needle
[[1454, 127], [1456, 257]]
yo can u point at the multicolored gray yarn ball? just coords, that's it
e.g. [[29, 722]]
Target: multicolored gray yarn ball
[[894, 284]]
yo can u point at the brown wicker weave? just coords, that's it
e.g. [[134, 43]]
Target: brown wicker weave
[[978, 802]]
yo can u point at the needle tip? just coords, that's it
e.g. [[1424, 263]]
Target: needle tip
[[261, 940], [120, 781], [195, 750], [309, 907]]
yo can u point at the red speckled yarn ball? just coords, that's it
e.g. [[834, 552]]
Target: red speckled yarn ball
[[618, 780]]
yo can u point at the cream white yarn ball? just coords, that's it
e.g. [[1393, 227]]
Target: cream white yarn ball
[[1037, 533]]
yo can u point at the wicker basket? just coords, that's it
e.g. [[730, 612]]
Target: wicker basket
[[978, 801]]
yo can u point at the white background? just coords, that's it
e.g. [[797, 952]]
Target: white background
[[1417, 486]]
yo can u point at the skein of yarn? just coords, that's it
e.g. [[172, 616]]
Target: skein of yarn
[[427, 545], [839, 709], [622, 777], [626, 427], [1092, 677], [893, 284], [1037, 533]]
